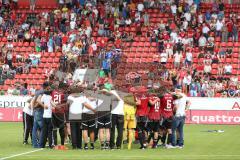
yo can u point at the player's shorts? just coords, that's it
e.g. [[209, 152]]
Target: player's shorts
[[154, 125], [104, 120], [142, 123], [167, 123], [88, 121], [129, 122], [58, 120]]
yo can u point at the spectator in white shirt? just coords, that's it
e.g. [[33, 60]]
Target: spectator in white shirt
[[202, 41], [228, 69], [169, 50], [207, 68], [177, 60], [205, 30], [187, 15], [173, 36], [128, 21], [164, 57], [140, 7], [185, 25], [219, 26], [188, 60], [72, 25], [174, 9]]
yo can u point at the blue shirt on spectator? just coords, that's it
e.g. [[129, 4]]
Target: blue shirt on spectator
[[35, 62], [109, 55], [82, 2], [208, 16], [105, 64], [23, 91]]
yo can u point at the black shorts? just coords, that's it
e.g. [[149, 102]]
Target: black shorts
[[167, 123], [142, 123], [58, 120], [154, 125], [104, 120], [88, 121]]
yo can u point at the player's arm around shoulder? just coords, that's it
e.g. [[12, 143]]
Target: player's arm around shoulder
[[129, 99], [88, 106], [40, 102]]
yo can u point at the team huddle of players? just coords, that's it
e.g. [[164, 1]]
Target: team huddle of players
[[147, 116]]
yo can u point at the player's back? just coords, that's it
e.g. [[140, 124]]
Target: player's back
[[58, 97], [154, 111], [167, 105]]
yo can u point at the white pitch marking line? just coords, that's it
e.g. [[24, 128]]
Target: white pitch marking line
[[20, 154], [103, 155]]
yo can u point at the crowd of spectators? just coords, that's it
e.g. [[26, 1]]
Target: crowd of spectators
[[188, 35]]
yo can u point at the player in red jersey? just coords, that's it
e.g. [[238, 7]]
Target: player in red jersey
[[58, 120], [154, 119], [167, 112], [141, 116]]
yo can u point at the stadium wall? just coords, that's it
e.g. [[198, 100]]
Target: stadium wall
[[202, 110]]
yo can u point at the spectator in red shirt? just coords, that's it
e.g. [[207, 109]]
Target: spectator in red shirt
[[229, 28]]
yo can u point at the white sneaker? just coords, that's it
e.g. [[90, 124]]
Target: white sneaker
[[170, 146], [180, 147]]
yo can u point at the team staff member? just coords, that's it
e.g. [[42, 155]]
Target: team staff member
[[47, 129], [141, 115], [75, 101], [129, 118], [154, 119], [117, 115], [27, 122], [180, 106], [104, 118], [88, 119], [38, 115]]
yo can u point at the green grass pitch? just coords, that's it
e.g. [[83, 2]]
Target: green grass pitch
[[199, 145]]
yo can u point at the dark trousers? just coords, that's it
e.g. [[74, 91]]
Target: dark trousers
[[27, 126], [61, 133], [46, 132], [76, 134], [141, 128], [58, 125], [117, 122]]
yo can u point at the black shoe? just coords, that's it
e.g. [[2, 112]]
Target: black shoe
[[161, 145], [118, 148], [92, 147], [25, 143], [86, 148], [143, 148], [102, 146]]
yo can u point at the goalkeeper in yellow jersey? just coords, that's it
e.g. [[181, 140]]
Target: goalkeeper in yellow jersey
[[129, 118]]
